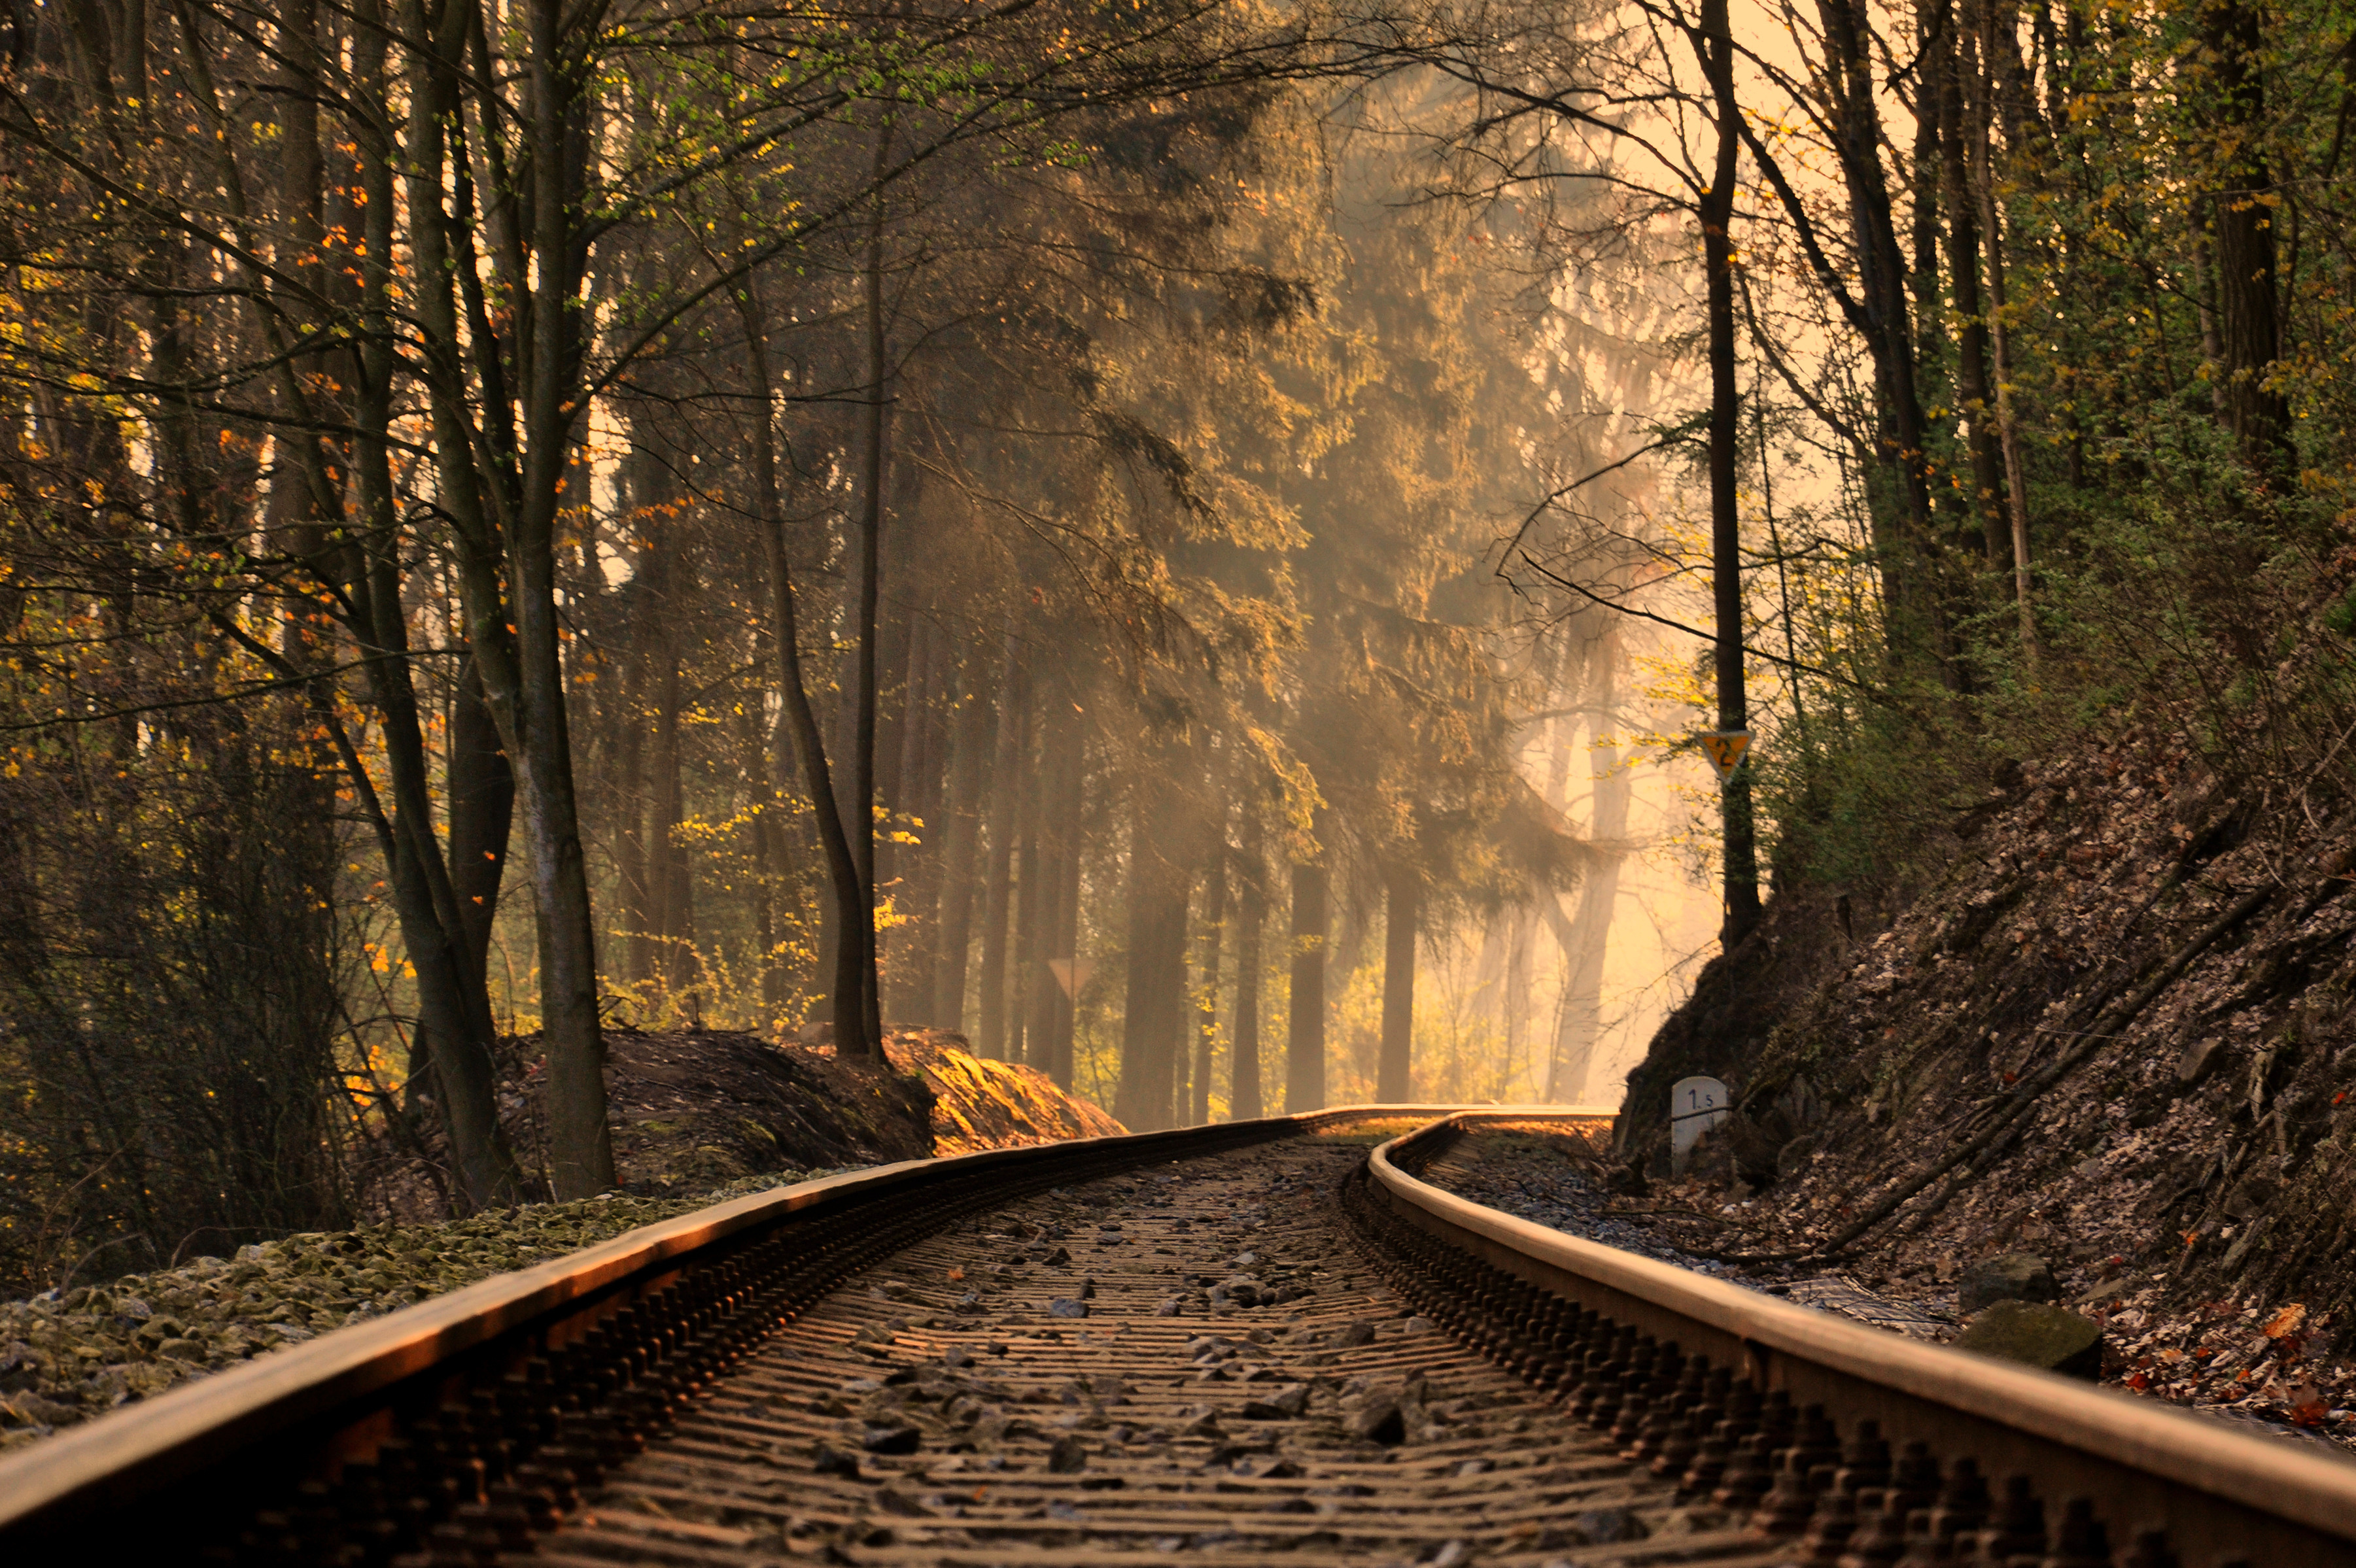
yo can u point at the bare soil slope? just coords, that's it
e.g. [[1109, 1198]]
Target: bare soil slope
[[2117, 1033], [979, 1103], [693, 1110]]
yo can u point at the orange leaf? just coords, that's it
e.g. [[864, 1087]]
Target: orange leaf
[[956, 1274], [2283, 1322]]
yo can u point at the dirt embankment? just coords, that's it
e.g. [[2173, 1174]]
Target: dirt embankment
[[694, 1110], [2117, 1033], [979, 1103]]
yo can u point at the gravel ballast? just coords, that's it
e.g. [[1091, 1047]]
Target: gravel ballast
[[66, 1357]]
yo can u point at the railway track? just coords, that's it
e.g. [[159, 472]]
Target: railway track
[[1227, 1345]]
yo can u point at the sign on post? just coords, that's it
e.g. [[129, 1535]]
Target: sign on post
[[1726, 749], [1695, 1106]]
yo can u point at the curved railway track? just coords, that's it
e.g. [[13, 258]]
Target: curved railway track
[[1228, 1345]]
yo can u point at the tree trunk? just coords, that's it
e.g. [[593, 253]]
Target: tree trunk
[[1205, 1008], [626, 796], [1585, 936], [2249, 327], [2007, 431], [672, 926], [482, 810], [849, 895], [1848, 84], [455, 1025], [761, 789], [897, 669], [1024, 1040], [916, 952], [581, 1154], [1153, 1016], [1043, 887], [1304, 1054], [1067, 906], [649, 680], [858, 1006], [451, 992], [1182, 1044], [657, 911], [1244, 1101], [466, 1029], [969, 761], [1402, 911], [1948, 67], [2204, 294], [1005, 794], [1740, 861], [1930, 305], [1517, 998]]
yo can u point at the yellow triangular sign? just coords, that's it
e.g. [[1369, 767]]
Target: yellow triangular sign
[[1727, 748], [1071, 973]]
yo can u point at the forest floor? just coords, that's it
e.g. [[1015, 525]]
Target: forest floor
[[1564, 1184], [2117, 1030], [699, 1117]]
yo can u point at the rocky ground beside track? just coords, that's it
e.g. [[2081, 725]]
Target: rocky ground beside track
[[1564, 1183], [67, 1356], [2110, 1023], [693, 1110], [2224, 1360]]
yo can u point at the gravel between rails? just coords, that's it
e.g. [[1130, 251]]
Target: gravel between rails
[[1193, 1360]]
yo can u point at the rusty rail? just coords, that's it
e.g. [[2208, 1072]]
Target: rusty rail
[[2149, 1479], [469, 1429], [303, 1411]]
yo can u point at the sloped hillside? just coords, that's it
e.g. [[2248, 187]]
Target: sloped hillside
[[693, 1110], [980, 1103], [2116, 1033]]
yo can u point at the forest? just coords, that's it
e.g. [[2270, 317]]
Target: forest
[[1196, 544]]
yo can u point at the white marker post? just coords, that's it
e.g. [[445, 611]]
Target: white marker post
[[1695, 1106]]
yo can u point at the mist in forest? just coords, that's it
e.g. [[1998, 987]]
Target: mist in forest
[[1199, 547], [1047, 563], [1071, 528]]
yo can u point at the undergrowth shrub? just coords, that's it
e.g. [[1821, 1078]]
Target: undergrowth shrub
[[174, 979], [2185, 606]]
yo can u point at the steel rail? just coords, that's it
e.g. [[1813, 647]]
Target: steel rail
[[304, 1410], [2220, 1496], [1701, 1381]]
